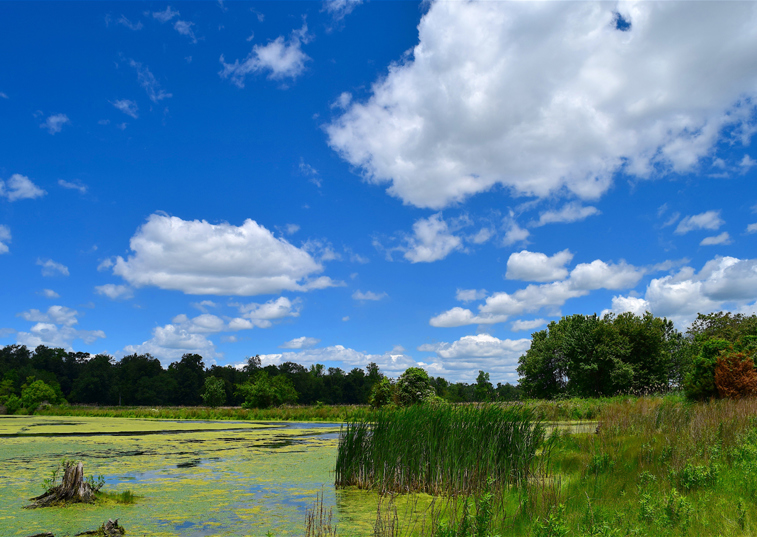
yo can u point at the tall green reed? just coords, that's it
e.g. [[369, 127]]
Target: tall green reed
[[439, 449]]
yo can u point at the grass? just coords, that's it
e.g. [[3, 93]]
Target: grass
[[125, 497], [325, 413], [657, 466], [439, 449]]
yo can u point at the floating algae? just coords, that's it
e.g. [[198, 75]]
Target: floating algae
[[197, 479]]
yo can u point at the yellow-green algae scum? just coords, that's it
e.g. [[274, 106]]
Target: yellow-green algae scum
[[192, 479]]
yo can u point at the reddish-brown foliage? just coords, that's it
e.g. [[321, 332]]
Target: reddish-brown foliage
[[735, 376]]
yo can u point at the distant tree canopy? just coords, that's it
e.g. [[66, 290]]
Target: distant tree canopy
[[140, 379]]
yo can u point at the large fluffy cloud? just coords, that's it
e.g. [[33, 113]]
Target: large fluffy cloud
[[553, 97], [196, 257], [584, 278], [724, 283]]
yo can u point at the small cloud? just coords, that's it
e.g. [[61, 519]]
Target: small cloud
[[54, 123], [204, 305], [73, 186], [746, 163], [282, 58], [104, 122], [513, 232], [3, 95], [105, 264], [519, 325], [300, 343], [291, 229], [346, 318], [5, 238], [258, 14], [469, 295], [568, 213], [368, 295], [751, 228], [251, 37], [114, 292], [707, 220], [343, 101], [126, 106], [165, 15], [339, 9], [49, 293], [20, 187], [148, 81], [672, 220], [723, 238], [308, 171], [123, 21], [51, 268], [185, 28]]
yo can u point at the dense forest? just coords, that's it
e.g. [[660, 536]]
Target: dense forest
[[578, 356], [140, 379]]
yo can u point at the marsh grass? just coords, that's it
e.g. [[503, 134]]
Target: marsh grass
[[656, 466], [125, 497], [327, 413], [449, 450]]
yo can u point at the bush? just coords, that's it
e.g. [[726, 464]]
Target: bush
[[700, 382], [214, 393], [265, 391], [37, 392], [735, 376], [382, 393]]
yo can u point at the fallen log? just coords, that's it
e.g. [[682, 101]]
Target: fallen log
[[72, 489]]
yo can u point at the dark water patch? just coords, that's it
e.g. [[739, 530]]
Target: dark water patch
[[122, 433], [189, 464]]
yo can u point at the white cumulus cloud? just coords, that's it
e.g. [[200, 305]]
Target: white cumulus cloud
[[51, 268], [300, 343], [281, 58], [707, 220], [368, 295], [197, 258], [538, 267], [5, 238], [551, 97], [723, 238], [431, 240], [20, 187], [114, 291]]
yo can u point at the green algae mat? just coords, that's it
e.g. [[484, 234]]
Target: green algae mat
[[191, 479]]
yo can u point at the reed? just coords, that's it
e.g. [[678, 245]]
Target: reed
[[440, 450]]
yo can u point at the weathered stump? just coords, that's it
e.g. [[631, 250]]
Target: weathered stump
[[72, 489], [109, 529]]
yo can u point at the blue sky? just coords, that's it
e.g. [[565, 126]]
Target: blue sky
[[344, 182]]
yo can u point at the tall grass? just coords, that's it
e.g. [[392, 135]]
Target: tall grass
[[443, 449]]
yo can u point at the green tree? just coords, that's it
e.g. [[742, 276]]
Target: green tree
[[264, 391], [382, 393], [484, 389], [35, 392], [414, 387], [189, 375], [214, 393]]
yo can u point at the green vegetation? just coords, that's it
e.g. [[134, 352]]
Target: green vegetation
[[214, 394], [439, 449]]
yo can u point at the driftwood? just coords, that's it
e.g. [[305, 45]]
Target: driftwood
[[72, 489], [45, 534], [109, 529]]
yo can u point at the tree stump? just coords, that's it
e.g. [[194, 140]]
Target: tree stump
[[72, 489], [109, 529]]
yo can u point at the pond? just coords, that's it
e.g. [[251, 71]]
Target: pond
[[192, 478]]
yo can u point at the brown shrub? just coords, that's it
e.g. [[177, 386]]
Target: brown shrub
[[735, 376]]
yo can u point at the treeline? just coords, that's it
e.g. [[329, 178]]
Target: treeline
[[592, 356], [56, 375]]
